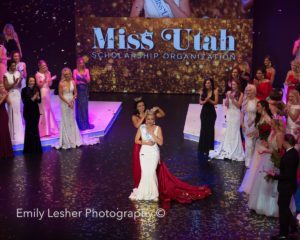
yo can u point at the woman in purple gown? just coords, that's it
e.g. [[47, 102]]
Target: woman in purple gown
[[81, 76]]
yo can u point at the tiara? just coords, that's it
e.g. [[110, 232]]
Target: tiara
[[150, 112], [137, 99]]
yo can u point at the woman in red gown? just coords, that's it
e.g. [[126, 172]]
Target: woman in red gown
[[270, 70], [5, 141], [263, 85], [292, 77], [170, 188]]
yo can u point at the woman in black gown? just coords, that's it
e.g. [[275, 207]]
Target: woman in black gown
[[31, 97], [208, 100], [12, 42]]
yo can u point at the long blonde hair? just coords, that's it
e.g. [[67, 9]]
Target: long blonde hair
[[77, 62], [14, 34], [297, 66], [296, 95], [245, 98], [63, 71]]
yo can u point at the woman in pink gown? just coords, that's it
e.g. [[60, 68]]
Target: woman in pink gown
[[169, 187], [47, 124], [3, 59]]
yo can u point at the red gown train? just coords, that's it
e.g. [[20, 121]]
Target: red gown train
[[170, 188]]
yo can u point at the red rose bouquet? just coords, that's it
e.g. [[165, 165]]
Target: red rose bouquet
[[264, 131]]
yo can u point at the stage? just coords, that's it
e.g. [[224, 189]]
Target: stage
[[99, 177], [102, 115]]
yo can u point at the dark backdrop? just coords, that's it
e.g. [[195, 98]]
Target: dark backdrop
[[276, 27], [46, 30]]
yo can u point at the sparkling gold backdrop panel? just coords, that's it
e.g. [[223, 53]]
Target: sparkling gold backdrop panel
[[163, 69]]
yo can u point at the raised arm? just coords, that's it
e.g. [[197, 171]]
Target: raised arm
[[137, 8], [38, 80], [159, 138], [138, 139], [214, 102], [201, 102], [88, 76], [136, 121], [227, 99], [49, 78], [18, 43], [286, 78], [7, 85], [238, 103], [2, 54], [159, 113], [25, 71], [296, 46]]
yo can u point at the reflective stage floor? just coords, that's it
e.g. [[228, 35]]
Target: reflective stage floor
[[99, 178]]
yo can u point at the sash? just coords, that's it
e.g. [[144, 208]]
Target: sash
[[162, 8]]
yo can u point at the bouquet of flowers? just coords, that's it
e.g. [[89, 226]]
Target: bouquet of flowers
[[276, 156], [264, 130]]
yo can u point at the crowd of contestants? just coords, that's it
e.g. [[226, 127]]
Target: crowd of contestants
[[26, 99], [263, 124]]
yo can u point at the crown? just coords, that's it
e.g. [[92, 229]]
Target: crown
[[137, 99]]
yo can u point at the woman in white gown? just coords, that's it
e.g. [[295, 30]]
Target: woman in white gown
[[293, 113], [161, 8], [12, 80], [21, 67], [231, 146], [69, 133], [264, 115], [149, 136], [47, 124], [248, 121], [264, 195]]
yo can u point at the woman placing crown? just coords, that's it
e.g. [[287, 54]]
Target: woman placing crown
[[155, 181], [161, 8]]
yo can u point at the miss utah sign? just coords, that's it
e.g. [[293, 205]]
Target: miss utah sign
[[115, 38]]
